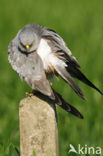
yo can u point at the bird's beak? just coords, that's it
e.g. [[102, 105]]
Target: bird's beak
[[27, 46]]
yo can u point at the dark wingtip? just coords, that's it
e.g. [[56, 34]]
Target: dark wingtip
[[76, 73], [99, 91], [75, 112], [93, 86], [81, 116]]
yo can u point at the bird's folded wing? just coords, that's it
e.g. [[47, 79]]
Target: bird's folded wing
[[67, 77], [72, 64], [60, 45], [76, 73]]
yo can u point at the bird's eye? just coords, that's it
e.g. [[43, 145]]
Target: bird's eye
[[27, 46], [30, 45]]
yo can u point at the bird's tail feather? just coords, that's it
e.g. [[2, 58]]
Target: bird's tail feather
[[76, 73], [67, 107], [67, 77]]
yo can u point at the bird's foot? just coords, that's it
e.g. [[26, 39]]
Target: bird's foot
[[29, 94]]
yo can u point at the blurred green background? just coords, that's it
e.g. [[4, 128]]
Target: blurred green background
[[80, 23]]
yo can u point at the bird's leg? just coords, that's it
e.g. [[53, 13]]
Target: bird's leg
[[30, 93]]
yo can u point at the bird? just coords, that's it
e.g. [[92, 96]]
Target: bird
[[37, 54]]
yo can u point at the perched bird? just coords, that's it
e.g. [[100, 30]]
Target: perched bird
[[37, 54]]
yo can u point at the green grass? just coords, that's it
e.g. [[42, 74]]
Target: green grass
[[80, 23]]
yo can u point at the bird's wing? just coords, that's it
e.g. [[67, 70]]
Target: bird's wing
[[54, 63], [76, 73], [60, 45], [61, 70], [62, 51]]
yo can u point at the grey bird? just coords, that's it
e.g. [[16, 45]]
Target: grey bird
[[37, 54]]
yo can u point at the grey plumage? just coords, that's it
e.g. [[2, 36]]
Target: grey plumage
[[26, 66], [37, 53]]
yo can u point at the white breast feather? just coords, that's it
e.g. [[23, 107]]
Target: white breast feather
[[47, 56]]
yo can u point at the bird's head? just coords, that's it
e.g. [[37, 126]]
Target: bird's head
[[28, 40]]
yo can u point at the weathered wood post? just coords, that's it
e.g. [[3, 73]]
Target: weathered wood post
[[38, 127]]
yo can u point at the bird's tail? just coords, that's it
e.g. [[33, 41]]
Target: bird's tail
[[67, 107], [60, 102]]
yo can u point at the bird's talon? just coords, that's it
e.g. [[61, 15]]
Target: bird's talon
[[29, 94]]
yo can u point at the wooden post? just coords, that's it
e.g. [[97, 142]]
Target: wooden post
[[38, 127]]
